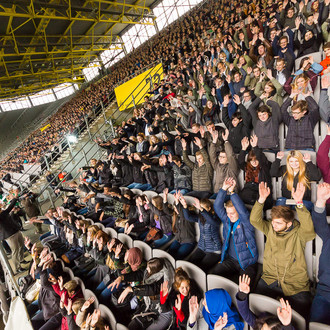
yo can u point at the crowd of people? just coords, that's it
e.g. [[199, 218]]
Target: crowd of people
[[195, 172]]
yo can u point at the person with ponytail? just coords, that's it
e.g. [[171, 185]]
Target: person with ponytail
[[298, 169]]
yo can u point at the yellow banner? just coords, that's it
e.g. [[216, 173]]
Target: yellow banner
[[139, 86], [45, 127]]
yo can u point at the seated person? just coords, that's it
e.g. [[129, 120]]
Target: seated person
[[284, 267]]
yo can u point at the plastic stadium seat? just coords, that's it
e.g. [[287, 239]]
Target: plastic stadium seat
[[120, 327], [260, 304], [87, 294], [157, 253], [324, 130], [260, 240], [99, 225], [318, 250], [202, 325], [170, 198], [309, 259], [317, 56], [150, 194], [69, 271], [125, 239], [318, 326], [194, 272], [111, 232], [80, 282], [108, 316], [190, 200], [145, 248], [192, 158], [137, 191], [219, 282]]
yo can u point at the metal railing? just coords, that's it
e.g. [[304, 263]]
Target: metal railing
[[80, 155]]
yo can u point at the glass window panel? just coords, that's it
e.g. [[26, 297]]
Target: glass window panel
[[63, 90], [42, 97], [20, 103], [91, 71]]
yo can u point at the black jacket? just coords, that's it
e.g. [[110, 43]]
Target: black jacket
[[8, 226]]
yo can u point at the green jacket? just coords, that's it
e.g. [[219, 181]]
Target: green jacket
[[284, 256]]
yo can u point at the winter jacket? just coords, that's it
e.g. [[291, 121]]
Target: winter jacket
[[236, 134], [312, 173], [48, 300], [8, 226], [322, 160], [184, 230], [209, 240], [223, 171], [201, 175], [300, 132], [30, 206], [267, 131], [182, 176], [243, 231], [284, 256], [322, 229], [164, 219]]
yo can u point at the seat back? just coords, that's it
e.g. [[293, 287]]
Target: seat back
[[108, 316], [145, 248], [88, 294], [194, 272], [125, 239], [260, 304], [157, 253]]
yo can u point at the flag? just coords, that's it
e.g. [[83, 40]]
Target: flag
[[45, 127]]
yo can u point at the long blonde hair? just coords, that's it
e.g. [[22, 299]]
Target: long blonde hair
[[290, 173]]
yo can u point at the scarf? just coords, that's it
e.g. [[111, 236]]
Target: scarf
[[218, 302], [252, 173], [134, 258]]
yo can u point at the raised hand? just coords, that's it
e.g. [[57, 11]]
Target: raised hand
[[124, 294], [198, 142], [87, 303], [118, 249], [52, 279], [225, 135], [164, 288], [227, 183], [222, 321], [254, 141], [233, 185], [244, 284], [95, 317], [284, 313], [68, 307], [298, 193], [193, 309], [237, 99], [307, 157], [215, 136], [197, 203], [225, 99], [60, 282], [323, 194], [245, 143], [264, 192], [178, 302], [280, 155]]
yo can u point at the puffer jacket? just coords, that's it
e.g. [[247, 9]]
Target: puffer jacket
[[201, 175], [182, 177], [243, 231], [209, 240]]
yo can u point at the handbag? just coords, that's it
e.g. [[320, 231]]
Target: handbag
[[121, 222], [154, 234], [33, 291]]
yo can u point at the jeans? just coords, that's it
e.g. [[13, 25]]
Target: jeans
[[320, 311], [105, 295], [231, 269], [53, 323], [141, 186], [162, 322], [282, 201], [183, 191], [32, 308], [159, 242], [204, 260], [300, 302], [109, 222], [45, 235], [179, 251]]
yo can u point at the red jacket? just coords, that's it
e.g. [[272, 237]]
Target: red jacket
[[78, 294]]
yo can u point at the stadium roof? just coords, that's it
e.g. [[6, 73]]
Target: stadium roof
[[45, 43]]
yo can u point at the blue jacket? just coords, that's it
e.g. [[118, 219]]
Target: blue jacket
[[322, 228], [209, 240], [244, 239]]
